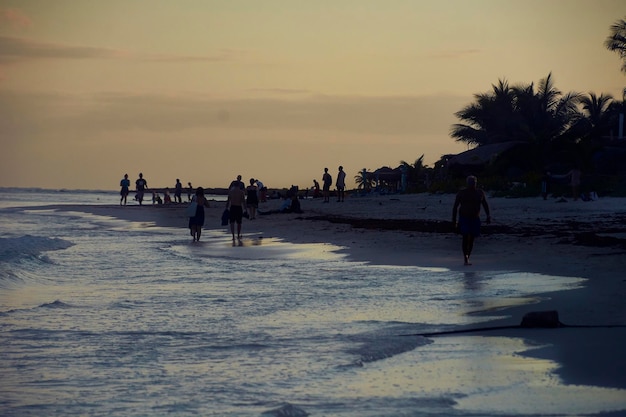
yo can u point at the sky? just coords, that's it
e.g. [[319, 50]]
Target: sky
[[205, 90]]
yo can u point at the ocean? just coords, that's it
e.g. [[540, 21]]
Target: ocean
[[104, 317]]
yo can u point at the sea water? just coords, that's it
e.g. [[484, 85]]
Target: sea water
[[104, 317]]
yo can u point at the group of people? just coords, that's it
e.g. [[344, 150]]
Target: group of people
[[141, 186], [574, 176], [244, 199], [327, 181]]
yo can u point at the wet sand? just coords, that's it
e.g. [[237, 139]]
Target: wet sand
[[573, 238]]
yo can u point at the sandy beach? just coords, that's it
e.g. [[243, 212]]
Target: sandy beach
[[572, 238]]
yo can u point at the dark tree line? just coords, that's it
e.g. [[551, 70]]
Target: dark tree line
[[548, 130], [547, 126]]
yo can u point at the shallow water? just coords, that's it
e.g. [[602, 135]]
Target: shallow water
[[104, 317]]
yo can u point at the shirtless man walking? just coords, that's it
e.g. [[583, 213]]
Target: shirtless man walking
[[467, 203], [235, 203]]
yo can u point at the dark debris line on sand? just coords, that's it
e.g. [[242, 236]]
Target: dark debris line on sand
[[572, 232]]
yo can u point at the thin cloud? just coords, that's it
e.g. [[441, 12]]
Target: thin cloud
[[222, 56], [455, 54], [14, 18], [394, 115], [23, 48], [16, 48], [287, 91]]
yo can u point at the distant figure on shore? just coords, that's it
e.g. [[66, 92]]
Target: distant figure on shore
[[403, 178], [327, 181], [178, 191], [574, 181], [141, 186], [468, 202], [189, 191], [237, 183], [156, 198], [261, 191], [341, 184], [197, 221], [291, 204], [167, 198], [125, 184], [545, 185], [316, 188], [234, 203], [252, 199]]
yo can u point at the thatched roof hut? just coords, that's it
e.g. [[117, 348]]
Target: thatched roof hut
[[476, 160], [482, 155]]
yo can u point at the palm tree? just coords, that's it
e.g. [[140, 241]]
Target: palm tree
[[616, 41], [364, 180], [542, 117], [517, 113], [595, 119], [547, 114], [487, 120], [413, 171]]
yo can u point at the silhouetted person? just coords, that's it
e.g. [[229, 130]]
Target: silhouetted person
[[316, 188], [178, 192], [468, 202], [327, 181], [235, 202], [125, 184], [141, 185], [341, 184], [252, 199], [189, 191], [238, 183], [197, 220], [545, 185], [574, 181]]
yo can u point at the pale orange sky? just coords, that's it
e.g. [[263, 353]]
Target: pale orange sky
[[204, 90]]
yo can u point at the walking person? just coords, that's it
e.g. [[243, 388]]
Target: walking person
[[234, 203], [468, 202], [252, 199], [327, 180], [125, 184], [341, 184], [189, 191], [141, 186], [574, 181], [197, 220], [178, 191], [238, 183]]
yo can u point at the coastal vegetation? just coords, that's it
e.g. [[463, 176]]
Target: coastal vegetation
[[519, 132]]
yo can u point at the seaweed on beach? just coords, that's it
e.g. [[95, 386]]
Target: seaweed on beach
[[588, 233]]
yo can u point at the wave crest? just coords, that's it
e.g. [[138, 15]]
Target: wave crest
[[56, 304], [18, 247]]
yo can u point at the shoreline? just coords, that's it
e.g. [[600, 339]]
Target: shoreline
[[574, 238]]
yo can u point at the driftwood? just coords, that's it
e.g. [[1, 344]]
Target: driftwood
[[543, 319]]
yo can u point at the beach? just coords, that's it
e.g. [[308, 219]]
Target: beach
[[571, 238]]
